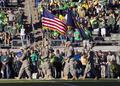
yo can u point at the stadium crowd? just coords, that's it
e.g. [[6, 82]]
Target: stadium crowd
[[41, 61], [99, 16], [11, 22]]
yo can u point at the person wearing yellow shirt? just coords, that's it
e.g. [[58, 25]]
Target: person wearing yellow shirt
[[61, 17], [95, 2], [81, 11], [85, 4]]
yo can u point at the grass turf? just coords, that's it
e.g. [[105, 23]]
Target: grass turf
[[55, 81]]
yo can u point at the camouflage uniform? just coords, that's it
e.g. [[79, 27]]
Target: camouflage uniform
[[69, 63], [47, 68], [72, 66], [45, 64], [25, 66]]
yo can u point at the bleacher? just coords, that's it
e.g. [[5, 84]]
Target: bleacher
[[115, 37], [113, 40], [8, 8], [12, 2], [14, 6]]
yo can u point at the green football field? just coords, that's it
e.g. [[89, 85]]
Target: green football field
[[55, 81], [87, 82]]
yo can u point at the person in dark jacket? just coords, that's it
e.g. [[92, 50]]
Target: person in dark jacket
[[103, 62], [0, 64], [5, 66]]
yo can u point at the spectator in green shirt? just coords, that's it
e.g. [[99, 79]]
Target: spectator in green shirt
[[2, 20], [33, 60], [77, 37]]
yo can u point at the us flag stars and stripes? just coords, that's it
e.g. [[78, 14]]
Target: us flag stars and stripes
[[53, 23]]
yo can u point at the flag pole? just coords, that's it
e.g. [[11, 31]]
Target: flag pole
[[31, 20], [46, 35]]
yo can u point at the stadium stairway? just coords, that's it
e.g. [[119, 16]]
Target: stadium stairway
[[30, 11]]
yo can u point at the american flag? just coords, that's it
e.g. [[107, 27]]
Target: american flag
[[53, 23]]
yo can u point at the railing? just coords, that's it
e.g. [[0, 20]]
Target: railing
[[61, 43], [12, 2], [5, 46], [16, 43], [8, 8]]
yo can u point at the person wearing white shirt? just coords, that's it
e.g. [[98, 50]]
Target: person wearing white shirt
[[22, 35], [110, 60], [118, 63], [11, 17], [103, 32]]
